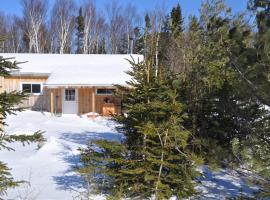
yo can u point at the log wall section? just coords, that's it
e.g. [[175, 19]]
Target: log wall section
[[37, 102]]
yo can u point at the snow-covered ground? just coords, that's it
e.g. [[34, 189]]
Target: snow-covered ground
[[50, 169]]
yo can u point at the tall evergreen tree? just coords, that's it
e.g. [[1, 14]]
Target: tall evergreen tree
[[147, 30], [138, 41], [258, 77], [80, 31], [262, 11], [9, 105], [156, 157], [177, 21]]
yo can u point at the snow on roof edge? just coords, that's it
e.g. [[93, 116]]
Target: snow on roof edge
[[77, 69]]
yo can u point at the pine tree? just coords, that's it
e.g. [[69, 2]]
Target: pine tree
[[146, 37], [261, 9], [138, 41], [9, 105], [225, 111], [80, 31], [166, 43], [177, 21], [156, 156], [173, 41], [258, 81]]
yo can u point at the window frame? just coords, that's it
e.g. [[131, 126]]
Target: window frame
[[69, 95], [106, 94], [32, 83]]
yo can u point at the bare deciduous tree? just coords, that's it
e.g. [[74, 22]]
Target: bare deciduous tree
[[34, 14], [15, 34], [116, 26], [131, 20], [89, 14], [62, 20], [99, 33]]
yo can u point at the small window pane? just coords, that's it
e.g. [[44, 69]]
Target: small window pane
[[36, 88], [105, 91], [70, 94], [26, 88]]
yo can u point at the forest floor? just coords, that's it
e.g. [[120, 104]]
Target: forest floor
[[49, 169]]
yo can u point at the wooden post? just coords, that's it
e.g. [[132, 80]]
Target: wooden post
[[93, 100], [78, 101], [52, 103]]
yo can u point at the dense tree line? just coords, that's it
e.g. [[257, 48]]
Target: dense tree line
[[68, 27], [200, 97]]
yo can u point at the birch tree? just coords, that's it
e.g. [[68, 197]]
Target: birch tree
[[99, 34], [63, 21], [131, 21], [89, 14], [34, 15], [116, 25]]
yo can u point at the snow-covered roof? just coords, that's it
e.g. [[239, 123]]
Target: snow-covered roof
[[77, 69]]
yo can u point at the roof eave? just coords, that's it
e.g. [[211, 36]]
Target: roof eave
[[29, 74], [79, 85]]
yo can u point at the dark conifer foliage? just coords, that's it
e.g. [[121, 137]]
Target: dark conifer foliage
[[138, 41], [156, 156], [80, 31], [177, 21]]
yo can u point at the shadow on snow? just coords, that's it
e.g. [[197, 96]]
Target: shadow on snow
[[69, 180], [85, 137], [215, 185]]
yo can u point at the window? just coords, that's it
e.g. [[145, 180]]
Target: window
[[36, 88], [26, 88], [31, 88], [70, 94], [105, 91]]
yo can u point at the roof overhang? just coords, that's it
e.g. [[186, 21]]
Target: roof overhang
[[76, 85], [29, 74]]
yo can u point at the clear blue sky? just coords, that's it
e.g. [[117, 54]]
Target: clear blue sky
[[188, 6]]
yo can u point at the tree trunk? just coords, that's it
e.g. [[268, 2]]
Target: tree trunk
[[163, 145]]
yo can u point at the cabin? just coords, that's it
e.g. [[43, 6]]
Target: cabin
[[69, 83]]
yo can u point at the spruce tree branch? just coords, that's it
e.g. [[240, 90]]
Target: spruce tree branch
[[253, 87]]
